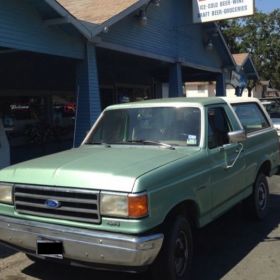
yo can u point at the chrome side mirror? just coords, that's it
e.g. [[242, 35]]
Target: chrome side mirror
[[237, 136]]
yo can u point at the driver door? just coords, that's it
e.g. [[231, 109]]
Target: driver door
[[226, 180]]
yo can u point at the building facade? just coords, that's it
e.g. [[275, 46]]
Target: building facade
[[242, 81], [64, 61]]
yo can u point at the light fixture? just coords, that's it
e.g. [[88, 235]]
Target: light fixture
[[106, 29], [209, 45], [156, 2], [143, 19], [142, 16]]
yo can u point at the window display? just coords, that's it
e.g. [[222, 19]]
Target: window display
[[38, 125]]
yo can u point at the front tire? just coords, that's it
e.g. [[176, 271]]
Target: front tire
[[258, 203], [174, 261]]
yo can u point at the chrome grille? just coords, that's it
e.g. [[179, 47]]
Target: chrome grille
[[74, 204]]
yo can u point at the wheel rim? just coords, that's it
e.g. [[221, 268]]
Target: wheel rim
[[181, 254], [262, 196]]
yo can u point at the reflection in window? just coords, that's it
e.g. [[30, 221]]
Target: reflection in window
[[218, 127], [251, 116]]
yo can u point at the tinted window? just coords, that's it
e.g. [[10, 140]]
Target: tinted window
[[218, 127], [251, 116]]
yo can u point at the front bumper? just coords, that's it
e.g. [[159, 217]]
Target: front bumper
[[82, 245]]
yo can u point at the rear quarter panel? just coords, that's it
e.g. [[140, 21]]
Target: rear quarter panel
[[260, 147]]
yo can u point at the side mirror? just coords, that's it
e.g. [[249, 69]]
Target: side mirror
[[237, 136]]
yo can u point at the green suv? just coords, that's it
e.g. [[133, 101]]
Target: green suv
[[145, 176]]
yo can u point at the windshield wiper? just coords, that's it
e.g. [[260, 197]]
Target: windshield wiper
[[99, 143], [152, 142]]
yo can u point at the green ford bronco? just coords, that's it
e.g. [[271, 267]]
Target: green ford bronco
[[145, 176]]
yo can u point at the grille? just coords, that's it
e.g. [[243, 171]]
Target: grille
[[73, 204]]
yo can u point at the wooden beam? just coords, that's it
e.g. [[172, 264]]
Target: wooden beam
[[57, 21], [5, 51]]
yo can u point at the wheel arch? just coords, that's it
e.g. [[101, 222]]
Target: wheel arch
[[265, 168], [188, 208]]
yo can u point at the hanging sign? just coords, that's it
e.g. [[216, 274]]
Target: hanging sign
[[213, 10], [237, 80]]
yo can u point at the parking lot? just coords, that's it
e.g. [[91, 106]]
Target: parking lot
[[230, 248]]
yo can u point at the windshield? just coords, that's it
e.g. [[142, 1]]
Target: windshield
[[157, 125]]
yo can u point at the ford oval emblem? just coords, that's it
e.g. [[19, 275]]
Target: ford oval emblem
[[51, 203]]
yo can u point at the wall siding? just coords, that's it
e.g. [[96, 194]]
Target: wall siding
[[21, 27], [169, 32]]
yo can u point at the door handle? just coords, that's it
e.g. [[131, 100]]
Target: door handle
[[241, 150], [228, 166]]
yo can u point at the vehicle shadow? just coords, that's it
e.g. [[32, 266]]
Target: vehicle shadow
[[224, 243], [6, 252], [219, 248]]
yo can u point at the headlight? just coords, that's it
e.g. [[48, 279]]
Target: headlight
[[6, 193], [124, 206]]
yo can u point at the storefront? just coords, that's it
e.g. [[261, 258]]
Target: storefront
[[63, 61], [37, 109], [37, 123]]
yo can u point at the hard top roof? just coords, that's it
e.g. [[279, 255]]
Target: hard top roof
[[169, 102], [203, 101]]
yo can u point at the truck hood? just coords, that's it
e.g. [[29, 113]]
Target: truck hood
[[93, 167]]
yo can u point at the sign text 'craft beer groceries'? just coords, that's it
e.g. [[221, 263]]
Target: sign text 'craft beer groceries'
[[213, 10]]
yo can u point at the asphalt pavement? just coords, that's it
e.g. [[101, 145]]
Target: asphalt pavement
[[231, 248]]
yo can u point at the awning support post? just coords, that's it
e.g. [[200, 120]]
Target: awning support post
[[88, 94], [175, 80], [221, 85]]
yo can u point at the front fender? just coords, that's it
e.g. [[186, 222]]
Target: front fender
[[172, 185]]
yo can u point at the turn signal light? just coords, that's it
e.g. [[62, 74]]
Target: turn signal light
[[138, 206]]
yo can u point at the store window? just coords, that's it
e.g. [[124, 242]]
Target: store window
[[38, 125], [123, 93]]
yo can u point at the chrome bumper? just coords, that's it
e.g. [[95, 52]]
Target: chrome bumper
[[83, 245]]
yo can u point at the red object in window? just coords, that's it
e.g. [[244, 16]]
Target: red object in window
[[69, 107]]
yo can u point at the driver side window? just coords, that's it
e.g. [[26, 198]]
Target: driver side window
[[218, 127]]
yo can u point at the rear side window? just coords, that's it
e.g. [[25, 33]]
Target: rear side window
[[251, 116]]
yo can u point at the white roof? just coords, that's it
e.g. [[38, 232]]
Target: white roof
[[240, 99]]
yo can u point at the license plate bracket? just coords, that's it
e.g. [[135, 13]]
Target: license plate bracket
[[50, 248]]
